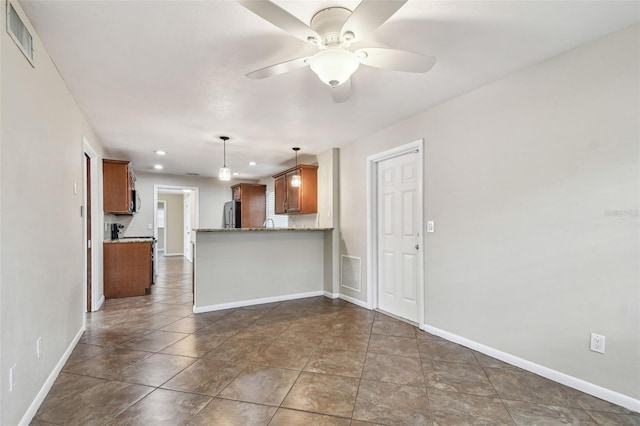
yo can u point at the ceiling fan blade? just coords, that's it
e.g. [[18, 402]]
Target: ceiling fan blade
[[282, 19], [369, 15], [280, 68], [341, 93], [398, 60]]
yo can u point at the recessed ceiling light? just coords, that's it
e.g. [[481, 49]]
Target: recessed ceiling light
[[236, 174], [252, 163], [158, 167], [160, 152]]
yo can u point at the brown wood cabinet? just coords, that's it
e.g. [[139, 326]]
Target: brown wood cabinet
[[296, 200], [253, 203], [118, 186], [127, 269]]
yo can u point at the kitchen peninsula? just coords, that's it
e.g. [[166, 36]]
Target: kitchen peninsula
[[247, 266]]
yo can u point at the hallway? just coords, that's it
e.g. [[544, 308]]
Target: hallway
[[149, 360]]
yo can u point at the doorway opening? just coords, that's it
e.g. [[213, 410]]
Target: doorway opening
[[177, 215], [395, 275]]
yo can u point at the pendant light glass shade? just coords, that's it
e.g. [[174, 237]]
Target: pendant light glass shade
[[225, 172], [296, 180], [334, 66]]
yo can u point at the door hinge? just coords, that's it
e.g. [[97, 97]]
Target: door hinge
[[81, 211], [88, 244]]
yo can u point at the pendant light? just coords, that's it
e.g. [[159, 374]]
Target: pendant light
[[296, 180], [225, 172]]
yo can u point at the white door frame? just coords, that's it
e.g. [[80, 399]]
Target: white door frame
[[372, 223], [97, 219], [187, 220], [164, 238]]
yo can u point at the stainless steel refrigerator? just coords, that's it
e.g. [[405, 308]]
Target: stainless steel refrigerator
[[232, 217]]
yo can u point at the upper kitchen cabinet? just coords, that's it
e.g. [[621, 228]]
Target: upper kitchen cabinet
[[118, 187], [302, 199], [253, 203]]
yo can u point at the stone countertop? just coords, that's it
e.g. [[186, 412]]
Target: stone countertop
[[260, 229], [130, 240]]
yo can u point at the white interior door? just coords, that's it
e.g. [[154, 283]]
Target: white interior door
[[398, 251], [187, 226]]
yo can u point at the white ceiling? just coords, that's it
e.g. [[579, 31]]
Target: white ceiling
[[171, 74]]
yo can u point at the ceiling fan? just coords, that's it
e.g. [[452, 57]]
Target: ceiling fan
[[333, 30]]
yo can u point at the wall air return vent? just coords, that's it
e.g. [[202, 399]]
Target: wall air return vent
[[19, 33], [350, 272]]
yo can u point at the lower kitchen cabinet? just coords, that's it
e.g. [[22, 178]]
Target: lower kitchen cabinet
[[128, 269]]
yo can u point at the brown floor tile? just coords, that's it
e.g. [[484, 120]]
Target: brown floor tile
[[391, 404], [155, 370], [324, 394], [525, 413], [178, 310], [394, 328], [336, 362], [449, 408], [265, 332], [348, 327], [394, 369], [487, 361], [454, 377], [113, 337], [392, 345], [83, 352], [615, 419], [97, 404], [108, 365], [238, 351], [186, 325], [284, 355], [230, 413], [194, 345], [313, 338], [66, 386], [162, 407], [154, 341], [519, 385], [262, 385], [205, 376], [441, 350], [225, 327], [346, 342], [285, 417]]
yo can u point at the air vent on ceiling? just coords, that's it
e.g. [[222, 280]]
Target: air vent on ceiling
[[192, 174], [350, 272], [19, 33]]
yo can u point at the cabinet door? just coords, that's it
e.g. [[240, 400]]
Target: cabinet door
[[117, 187], [293, 195], [280, 188]]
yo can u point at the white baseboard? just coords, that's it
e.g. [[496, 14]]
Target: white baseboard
[[46, 386], [173, 254], [251, 302], [355, 301], [565, 379], [331, 295]]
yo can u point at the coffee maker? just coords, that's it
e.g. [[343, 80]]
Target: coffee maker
[[116, 231]]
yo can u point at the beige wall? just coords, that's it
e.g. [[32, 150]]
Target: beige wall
[[521, 177], [174, 222], [41, 282]]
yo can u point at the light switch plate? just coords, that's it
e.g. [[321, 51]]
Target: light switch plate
[[431, 226]]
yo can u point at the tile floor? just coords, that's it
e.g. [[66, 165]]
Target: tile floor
[[150, 361]]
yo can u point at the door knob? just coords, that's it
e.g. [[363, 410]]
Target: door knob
[[417, 247]]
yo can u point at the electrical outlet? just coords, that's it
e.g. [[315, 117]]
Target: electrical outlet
[[597, 343], [12, 381], [38, 346]]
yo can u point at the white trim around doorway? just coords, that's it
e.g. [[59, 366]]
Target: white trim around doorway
[[372, 267], [97, 219]]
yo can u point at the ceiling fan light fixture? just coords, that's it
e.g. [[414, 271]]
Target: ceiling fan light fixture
[[334, 66]]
